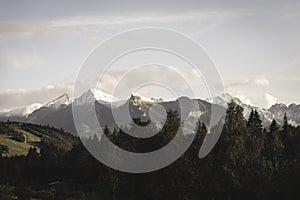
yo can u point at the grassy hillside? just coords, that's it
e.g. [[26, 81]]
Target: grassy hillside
[[17, 138]]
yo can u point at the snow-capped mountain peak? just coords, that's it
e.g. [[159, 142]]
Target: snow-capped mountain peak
[[99, 95], [224, 99], [265, 115], [61, 101], [93, 95], [138, 105], [31, 108]]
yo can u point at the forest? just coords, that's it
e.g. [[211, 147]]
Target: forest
[[248, 162]]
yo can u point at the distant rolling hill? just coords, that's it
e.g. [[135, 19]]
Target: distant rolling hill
[[17, 138]]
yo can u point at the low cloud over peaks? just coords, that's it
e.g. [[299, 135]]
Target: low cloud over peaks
[[16, 98], [270, 100], [257, 81]]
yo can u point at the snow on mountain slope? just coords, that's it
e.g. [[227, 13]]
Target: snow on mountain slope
[[49, 109], [137, 99], [26, 111], [265, 115], [93, 95], [224, 99], [276, 111], [22, 111], [61, 101], [58, 112]]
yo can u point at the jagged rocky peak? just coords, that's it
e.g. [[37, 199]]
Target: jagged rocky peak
[[137, 99], [61, 101], [293, 106], [278, 106]]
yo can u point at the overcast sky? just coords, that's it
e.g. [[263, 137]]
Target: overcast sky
[[255, 44]]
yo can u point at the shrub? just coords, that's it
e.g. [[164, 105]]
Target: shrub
[[3, 149], [19, 137]]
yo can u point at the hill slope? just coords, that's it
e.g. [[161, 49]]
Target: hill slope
[[18, 138]]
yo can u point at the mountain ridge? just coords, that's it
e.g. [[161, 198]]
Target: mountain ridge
[[58, 112]]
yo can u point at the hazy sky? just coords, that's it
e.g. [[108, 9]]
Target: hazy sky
[[255, 44]]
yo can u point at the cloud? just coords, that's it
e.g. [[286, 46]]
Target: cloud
[[21, 60], [26, 29], [62, 26], [20, 97], [269, 100], [257, 81], [138, 18], [153, 81], [157, 80], [244, 99]]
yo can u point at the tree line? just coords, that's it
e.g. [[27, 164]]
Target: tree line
[[248, 161]]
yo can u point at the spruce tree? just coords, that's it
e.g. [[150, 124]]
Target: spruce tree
[[274, 146], [274, 128], [254, 121]]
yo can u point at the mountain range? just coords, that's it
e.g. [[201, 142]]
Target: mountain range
[[58, 112]]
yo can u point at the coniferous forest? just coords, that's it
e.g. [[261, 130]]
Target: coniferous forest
[[248, 162]]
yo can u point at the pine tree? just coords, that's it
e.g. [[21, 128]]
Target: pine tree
[[254, 145], [234, 121], [286, 132], [274, 146], [254, 121], [286, 136], [274, 128], [31, 164], [250, 119], [285, 122], [231, 153]]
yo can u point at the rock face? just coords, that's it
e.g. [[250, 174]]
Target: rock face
[[292, 112], [40, 115]]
